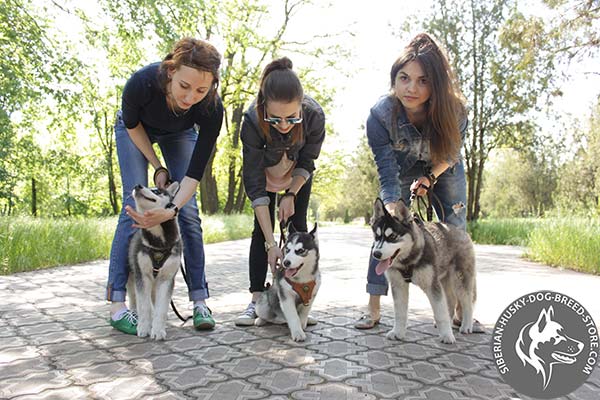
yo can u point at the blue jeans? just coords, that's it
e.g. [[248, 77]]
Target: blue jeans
[[177, 150], [451, 189]]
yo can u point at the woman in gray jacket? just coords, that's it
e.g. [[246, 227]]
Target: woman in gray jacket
[[282, 134]]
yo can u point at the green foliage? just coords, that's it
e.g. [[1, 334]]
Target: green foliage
[[32, 243], [567, 242], [509, 231]]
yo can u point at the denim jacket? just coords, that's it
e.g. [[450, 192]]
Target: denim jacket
[[397, 153], [259, 154]]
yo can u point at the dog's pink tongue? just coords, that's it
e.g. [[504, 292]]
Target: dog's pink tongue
[[290, 272], [383, 266]]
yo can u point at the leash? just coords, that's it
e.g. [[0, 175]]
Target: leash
[[427, 203], [184, 320]]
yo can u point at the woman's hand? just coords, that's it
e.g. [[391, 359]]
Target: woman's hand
[[420, 186], [149, 218], [391, 208], [272, 256], [286, 208]]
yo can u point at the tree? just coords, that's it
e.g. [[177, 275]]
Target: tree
[[504, 67]]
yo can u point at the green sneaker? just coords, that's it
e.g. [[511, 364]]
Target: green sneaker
[[203, 319], [127, 323]]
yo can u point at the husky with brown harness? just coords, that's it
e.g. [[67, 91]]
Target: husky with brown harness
[[295, 284]]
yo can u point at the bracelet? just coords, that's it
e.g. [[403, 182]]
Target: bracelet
[[289, 193], [172, 206], [431, 178], [158, 171], [269, 246]]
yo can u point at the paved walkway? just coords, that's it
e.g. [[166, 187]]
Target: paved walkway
[[55, 342]]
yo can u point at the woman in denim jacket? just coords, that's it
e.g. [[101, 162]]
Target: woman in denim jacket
[[416, 133], [282, 134]]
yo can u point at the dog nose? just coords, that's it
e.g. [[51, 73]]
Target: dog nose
[[287, 263], [377, 254], [138, 187]]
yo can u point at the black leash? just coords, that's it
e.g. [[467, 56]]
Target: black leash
[[184, 320], [427, 203]]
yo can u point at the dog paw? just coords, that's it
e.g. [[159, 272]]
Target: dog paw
[[298, 336], [447, 338], [158, 333], [259, 322], [143, 330], [465, 329], [395, 334]]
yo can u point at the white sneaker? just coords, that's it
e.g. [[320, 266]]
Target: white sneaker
[[247, 317]]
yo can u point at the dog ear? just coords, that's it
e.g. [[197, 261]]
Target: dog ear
[[313, 233], [378, 209], [173, 188], [291, 228], [544, 318], [402, 212]]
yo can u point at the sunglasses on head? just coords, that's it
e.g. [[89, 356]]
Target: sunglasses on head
[[278, 120]]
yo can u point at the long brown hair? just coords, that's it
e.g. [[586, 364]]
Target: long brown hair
[[193, 53], [278, 83], [446, 103]]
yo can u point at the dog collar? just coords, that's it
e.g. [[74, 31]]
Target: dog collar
[[304, 290]]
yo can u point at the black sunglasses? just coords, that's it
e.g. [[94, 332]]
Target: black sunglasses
[[277, 120]]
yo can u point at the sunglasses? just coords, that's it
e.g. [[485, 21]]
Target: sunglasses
[[277, 120]]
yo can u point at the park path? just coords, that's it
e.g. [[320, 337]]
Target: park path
[[55, 342]]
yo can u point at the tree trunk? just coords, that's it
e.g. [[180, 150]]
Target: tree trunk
[[209, 197], [236, 121], [240, 200], [33, 198]]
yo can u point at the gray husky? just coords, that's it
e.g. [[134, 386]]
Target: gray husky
[[295, 285], [437, 257], [154, 257]]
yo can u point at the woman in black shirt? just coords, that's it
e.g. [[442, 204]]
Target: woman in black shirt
[[174, 104]]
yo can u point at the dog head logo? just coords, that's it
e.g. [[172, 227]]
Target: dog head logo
[[544, 343]]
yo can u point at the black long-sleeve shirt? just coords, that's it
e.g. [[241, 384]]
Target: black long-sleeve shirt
[[144, 102]]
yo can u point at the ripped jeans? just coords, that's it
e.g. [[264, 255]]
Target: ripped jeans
[[450, 189]]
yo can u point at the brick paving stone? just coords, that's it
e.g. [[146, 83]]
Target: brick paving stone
[[209, 355], [462, 362], [436, 393], [336, 348], [481, 388], [101, 372], [56, 343], [23, 367], [378, 359], [246, 366], [70, 393], [285, 381], [332, 391], [191, 377], [138, 387], [233, 389], [426, 372], [83, 359], [261, 346], [12, 354], [336, 369], [167, 362], [294, 357], [36, 383], [12, 341], [385, 384]]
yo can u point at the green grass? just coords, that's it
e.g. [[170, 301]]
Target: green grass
[[572, 243], [510, 231], [32, 243]]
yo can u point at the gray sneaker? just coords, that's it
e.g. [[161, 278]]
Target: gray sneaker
[[247, 317]]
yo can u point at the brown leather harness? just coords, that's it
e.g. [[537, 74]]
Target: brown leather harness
[[303, 289]]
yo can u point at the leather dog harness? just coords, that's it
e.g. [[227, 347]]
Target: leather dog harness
[[158, 257], [304, 290]]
